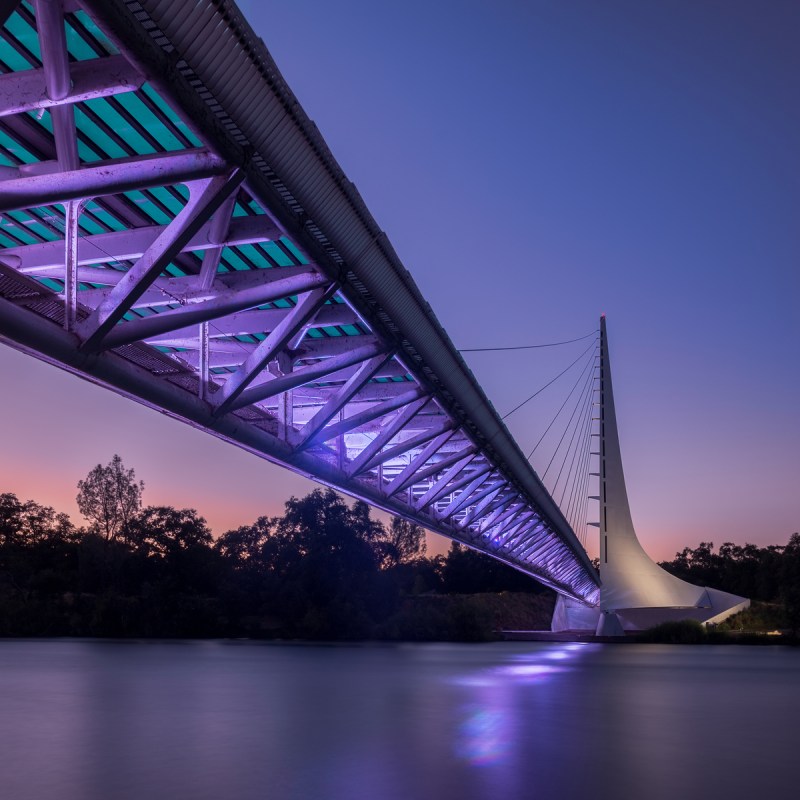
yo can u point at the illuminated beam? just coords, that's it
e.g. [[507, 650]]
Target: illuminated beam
[[494, 513], [413, 472], [342, 396], [231, 355], [409, 444], [502, 515], [440, 487], [323, 348], [514, 530], [371, 393], [358, 440], [205, 197], [98, 77], [109, 177], [72, 218], [306, 307], [188, 289], [528, 519], [481, 501], [536, 536], [466, 495], [498, 502], [314, 372], [246, 322], [47, 257], [222, 303], [402, 419], [363, 417], [540, 546], [455, 485], [409, 478]]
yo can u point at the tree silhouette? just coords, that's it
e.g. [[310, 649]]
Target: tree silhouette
[[405, 542], [110, 498]]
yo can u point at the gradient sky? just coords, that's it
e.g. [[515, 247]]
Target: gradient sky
[[536, 164]]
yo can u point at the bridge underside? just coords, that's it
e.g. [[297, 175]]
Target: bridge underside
[[174, 228]]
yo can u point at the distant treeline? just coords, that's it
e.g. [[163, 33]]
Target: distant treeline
[[323, 570]]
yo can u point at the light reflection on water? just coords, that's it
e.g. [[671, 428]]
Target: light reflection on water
[[486, 733], [81, 720]]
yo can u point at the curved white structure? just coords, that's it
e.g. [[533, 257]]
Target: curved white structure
[[636, 593]]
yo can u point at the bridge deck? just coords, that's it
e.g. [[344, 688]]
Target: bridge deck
[[174, 228]]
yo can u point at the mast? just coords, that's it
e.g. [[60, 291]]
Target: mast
[[635, 591], [615, 512]]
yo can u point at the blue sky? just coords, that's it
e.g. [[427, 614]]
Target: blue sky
[[535, 164]]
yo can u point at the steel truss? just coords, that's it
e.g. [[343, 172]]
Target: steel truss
[[170, 271]]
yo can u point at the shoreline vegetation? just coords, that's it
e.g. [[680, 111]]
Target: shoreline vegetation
[[324, 571]]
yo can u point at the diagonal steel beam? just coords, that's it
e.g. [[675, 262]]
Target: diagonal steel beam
[[521, 527], [495, 484], [497, 505], [306, 307], [254, 321], [414, 472], [501, 508], [495, 531], [46, 257], [205, 197], [384, 436], [340, 399], [440, 487], [98, 77], [504, 516], [220, 304], [494, 535], [466, 495], [409, 444], [536, 537], [534, 533], [455, 485], [516, 527], [540, 547], [109, 177], [482, 500], [314, 372], [433, 469], [375, 411], [187, 289]]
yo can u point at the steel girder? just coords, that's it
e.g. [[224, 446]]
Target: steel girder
[[142, 254]]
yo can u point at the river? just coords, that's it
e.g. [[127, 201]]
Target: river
[[112, 720]]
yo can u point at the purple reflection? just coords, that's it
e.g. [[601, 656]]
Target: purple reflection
[[483, 737], [530, 671]]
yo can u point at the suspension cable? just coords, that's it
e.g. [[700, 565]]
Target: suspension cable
[[581, 399], [553, 380], [566, 400], [524, 346]]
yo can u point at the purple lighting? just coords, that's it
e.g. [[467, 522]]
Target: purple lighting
[[483, 737]]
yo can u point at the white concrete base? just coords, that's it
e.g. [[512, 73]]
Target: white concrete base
[[569, 615]]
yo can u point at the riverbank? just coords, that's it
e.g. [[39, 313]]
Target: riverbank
[[685, 632]]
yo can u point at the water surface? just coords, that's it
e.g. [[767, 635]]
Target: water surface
[[86, 720]]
